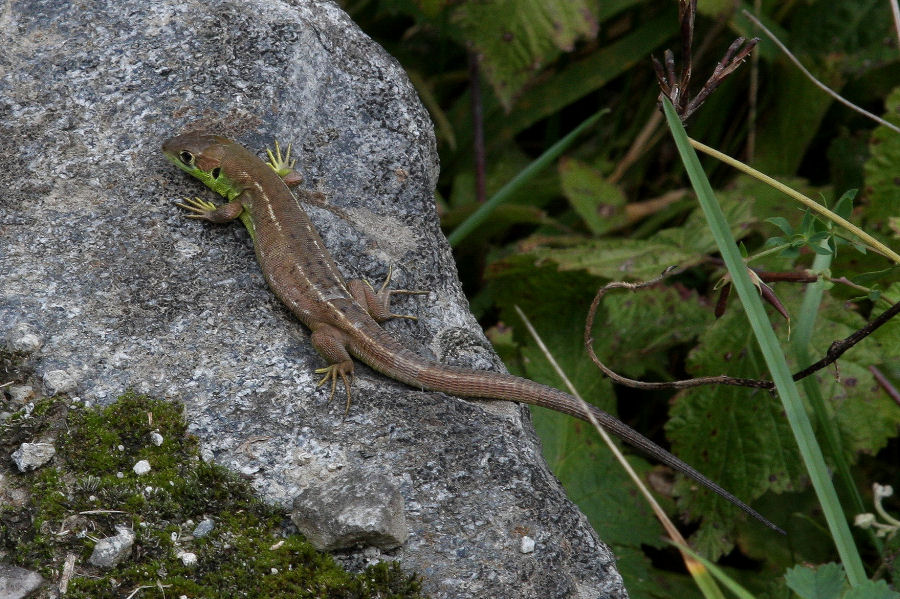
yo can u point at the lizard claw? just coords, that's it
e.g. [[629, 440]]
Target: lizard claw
[[197, 207], [280, 164], [384, 295], [332, 372]]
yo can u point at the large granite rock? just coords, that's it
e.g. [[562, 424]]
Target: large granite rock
[[108, 287]]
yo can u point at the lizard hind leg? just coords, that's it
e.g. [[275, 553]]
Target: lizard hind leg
[[378, 303], [329, 342]]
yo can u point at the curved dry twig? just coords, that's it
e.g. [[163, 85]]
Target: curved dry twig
[[835, 351]]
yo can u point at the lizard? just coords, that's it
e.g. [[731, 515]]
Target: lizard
[[345, 316]]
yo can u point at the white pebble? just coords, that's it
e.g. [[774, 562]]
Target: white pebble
[[527, 545]]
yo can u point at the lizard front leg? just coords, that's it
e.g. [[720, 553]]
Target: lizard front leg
[[205, 210]]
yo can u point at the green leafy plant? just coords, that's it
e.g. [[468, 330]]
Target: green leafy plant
[[611, 204]]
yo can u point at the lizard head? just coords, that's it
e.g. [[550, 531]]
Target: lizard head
[[200, 155]]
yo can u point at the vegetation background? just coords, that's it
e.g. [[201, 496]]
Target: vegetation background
[[616, 206]]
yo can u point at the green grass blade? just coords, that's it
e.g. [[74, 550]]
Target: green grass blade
[[525, 175], [806, 321], [774, 357]]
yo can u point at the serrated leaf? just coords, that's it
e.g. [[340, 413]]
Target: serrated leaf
[[517, 38], [639, 327], [738, 437], [871, 590], [600, 204], [882, 188], [643, 259], [888, 335], [619, 258], [866, 419], [825, 582]]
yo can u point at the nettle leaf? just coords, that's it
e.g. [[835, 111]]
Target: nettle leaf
[[889, 333], [642, 259], [871, 590], [882, 186], [634, 330], [825, 582], [600, 204], [619, 259], [517, 38], [739, 437], [866, 418]]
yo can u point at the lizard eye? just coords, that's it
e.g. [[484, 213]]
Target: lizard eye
[[216, 172], [186, 157]]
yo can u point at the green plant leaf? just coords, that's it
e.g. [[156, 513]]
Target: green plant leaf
[[844, 206], [639, 328], [889, 333], [825, 582], [781, 223], [619, 259], [871, 590], [600, 204], [882, 185], [517, 38], [736, 436]]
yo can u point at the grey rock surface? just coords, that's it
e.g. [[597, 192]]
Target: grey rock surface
[[30, 456], [110, 551], [353, 509], [18, 583], [105, 281]]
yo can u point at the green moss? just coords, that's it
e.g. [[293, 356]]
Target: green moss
[[90, 487]]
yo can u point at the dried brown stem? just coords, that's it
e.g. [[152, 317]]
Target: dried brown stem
[[676, 89], [837, 349]]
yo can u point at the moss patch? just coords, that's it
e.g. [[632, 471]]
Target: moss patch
[[89, 487]]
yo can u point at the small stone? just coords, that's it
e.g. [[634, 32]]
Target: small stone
[[120, 475], [527, 545], [349, 510], [142, 467], [32, 455], [187, 558], [59, 381], [20, 393], [204, 528], [23, 339], [156, 438], [110, 551], [17, 583]]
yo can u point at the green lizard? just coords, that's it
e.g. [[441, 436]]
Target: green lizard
[[344, 316]]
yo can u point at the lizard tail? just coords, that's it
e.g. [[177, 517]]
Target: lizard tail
[[405, 366]]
